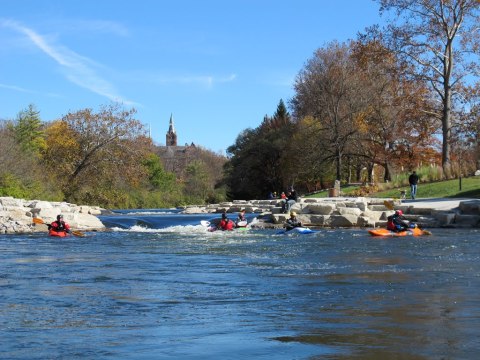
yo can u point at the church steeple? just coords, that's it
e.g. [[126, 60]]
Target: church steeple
[[171, 139]]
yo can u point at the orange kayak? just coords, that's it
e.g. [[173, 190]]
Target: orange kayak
[[409, 232], [57, 233]]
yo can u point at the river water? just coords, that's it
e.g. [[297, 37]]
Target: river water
[[159, 286]]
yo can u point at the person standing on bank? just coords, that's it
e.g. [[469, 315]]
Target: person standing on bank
[[288, 202], [413, 180]]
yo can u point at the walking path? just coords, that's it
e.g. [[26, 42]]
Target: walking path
[[435, 203]]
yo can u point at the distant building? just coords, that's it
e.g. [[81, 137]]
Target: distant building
[[171, 138], [175, 158]]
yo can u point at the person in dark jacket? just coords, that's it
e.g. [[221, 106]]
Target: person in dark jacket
[[413, 181], [396, 222], [59, 225], [292, 222]]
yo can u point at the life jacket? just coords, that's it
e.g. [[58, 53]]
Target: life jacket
[[59, 226], [226, 224], [394, 224], [391, 224]]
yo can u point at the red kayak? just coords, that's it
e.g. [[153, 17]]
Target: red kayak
[[410, 232], [57, 233]]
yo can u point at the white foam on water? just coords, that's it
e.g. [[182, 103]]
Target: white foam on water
[[180, 229]]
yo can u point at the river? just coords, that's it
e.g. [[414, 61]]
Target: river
[[159, 286]]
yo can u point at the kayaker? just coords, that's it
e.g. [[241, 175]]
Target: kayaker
[[59, 225], [292, 222], [226, 223], [240, 218], [396, 222]]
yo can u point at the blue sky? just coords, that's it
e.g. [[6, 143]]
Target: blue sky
[[218, 66]]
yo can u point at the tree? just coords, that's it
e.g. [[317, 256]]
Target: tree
[[313, 168], [467, 134], [440, 38], [28, 130], [259, 159], [197, 182], [158, 178], [20, 175], [328, 89], [393, 132], [97, 151]]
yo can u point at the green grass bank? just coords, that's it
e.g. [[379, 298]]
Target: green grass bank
[[464, 188]]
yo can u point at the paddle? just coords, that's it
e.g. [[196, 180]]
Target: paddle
[[389, 206], [74, 232]]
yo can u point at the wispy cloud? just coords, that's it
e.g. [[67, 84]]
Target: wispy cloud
[[99, 26], [77, 69], [28, 91], [207, 81], [16, 88]]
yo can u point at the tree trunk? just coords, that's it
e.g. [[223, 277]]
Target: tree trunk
[[358, 173], [338, 161], [478, 145], [446, 134], [388, 172], [370, 168], [349, 170]]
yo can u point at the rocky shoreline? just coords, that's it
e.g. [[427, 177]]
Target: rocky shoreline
[[16, 214], [336, 212]]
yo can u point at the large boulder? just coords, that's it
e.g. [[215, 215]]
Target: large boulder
[[319, 208], [470, 207], [343, 220], [349, 211], [83, 221], [8, 203]]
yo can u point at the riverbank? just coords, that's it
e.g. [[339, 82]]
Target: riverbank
[[16, 215], [337, 212]]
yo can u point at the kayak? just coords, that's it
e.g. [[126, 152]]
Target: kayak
[[242, 225], [57, 233], [410, 232], [298, 230]]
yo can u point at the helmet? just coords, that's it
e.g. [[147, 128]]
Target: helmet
[[293, 213], [399, 212], [59, 217]]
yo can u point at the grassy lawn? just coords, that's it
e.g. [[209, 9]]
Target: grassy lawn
[[441, 189], [347, 189]]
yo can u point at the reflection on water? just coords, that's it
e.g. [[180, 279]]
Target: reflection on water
[[181, 292]]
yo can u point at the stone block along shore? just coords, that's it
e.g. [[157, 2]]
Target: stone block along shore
[[342, 212], [336, 212], [16, 215]]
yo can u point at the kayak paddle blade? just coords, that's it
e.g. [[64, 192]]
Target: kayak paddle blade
[[38, 220]]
